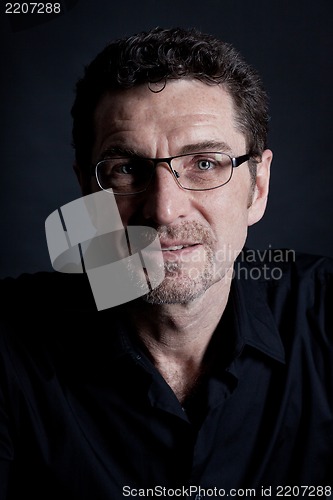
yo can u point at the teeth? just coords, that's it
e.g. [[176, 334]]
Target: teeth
[[173, 248], [178, 247]]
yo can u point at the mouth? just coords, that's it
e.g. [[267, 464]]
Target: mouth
[[173, 248], [179, 250]]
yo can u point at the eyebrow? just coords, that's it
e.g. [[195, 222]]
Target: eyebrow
[[119, 151], [218, 146]]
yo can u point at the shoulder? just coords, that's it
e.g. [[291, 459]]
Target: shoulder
[[45, 291], [284, 267], [297, 287], [298, 290], [44, 314], [39, 307], [49, 323]]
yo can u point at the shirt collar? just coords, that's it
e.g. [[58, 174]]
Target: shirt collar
[[254, 321]]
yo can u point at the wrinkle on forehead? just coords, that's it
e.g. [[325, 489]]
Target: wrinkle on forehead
[[125, 100], [185, 111]]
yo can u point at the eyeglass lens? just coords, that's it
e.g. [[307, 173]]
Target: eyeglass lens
[[199, 171]]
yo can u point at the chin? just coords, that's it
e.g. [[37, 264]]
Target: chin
[[180, 289]]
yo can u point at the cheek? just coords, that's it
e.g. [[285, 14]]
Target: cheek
[[128, 208], [229, 219], [231, 223]]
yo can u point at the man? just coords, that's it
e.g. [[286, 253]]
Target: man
[[218, 382]]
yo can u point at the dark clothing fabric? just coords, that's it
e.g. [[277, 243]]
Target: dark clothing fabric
[[85, 415]]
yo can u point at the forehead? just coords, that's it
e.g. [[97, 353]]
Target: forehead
[[185, 110]]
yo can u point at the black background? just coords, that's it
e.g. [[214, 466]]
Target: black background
[[289, 42]]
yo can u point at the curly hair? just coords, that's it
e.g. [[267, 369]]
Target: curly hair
[[160, 55]]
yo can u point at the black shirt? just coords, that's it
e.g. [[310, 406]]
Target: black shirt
[[85, 415]]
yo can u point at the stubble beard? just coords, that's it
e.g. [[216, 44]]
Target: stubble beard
[[183, 283]]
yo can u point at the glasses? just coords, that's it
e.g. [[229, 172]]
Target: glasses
[[194, 171]]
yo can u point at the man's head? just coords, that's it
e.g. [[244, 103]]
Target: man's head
[[170, 93]]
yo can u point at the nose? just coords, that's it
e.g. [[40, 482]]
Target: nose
[[165, 199]]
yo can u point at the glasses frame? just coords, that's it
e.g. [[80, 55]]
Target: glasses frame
[[236, 161]]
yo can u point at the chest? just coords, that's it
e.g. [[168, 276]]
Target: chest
[[97, 437]]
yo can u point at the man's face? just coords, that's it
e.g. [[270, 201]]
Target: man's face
[[201, 232]]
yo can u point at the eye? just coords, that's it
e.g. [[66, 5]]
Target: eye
[[127, 168], [205, 164], [134, 168]]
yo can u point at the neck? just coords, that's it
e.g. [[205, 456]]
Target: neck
[[176, 336]]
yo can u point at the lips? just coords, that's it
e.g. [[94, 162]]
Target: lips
[[171, 247], [175, 247]]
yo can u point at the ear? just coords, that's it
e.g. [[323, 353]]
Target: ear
[[83, 179], [260, 192]]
